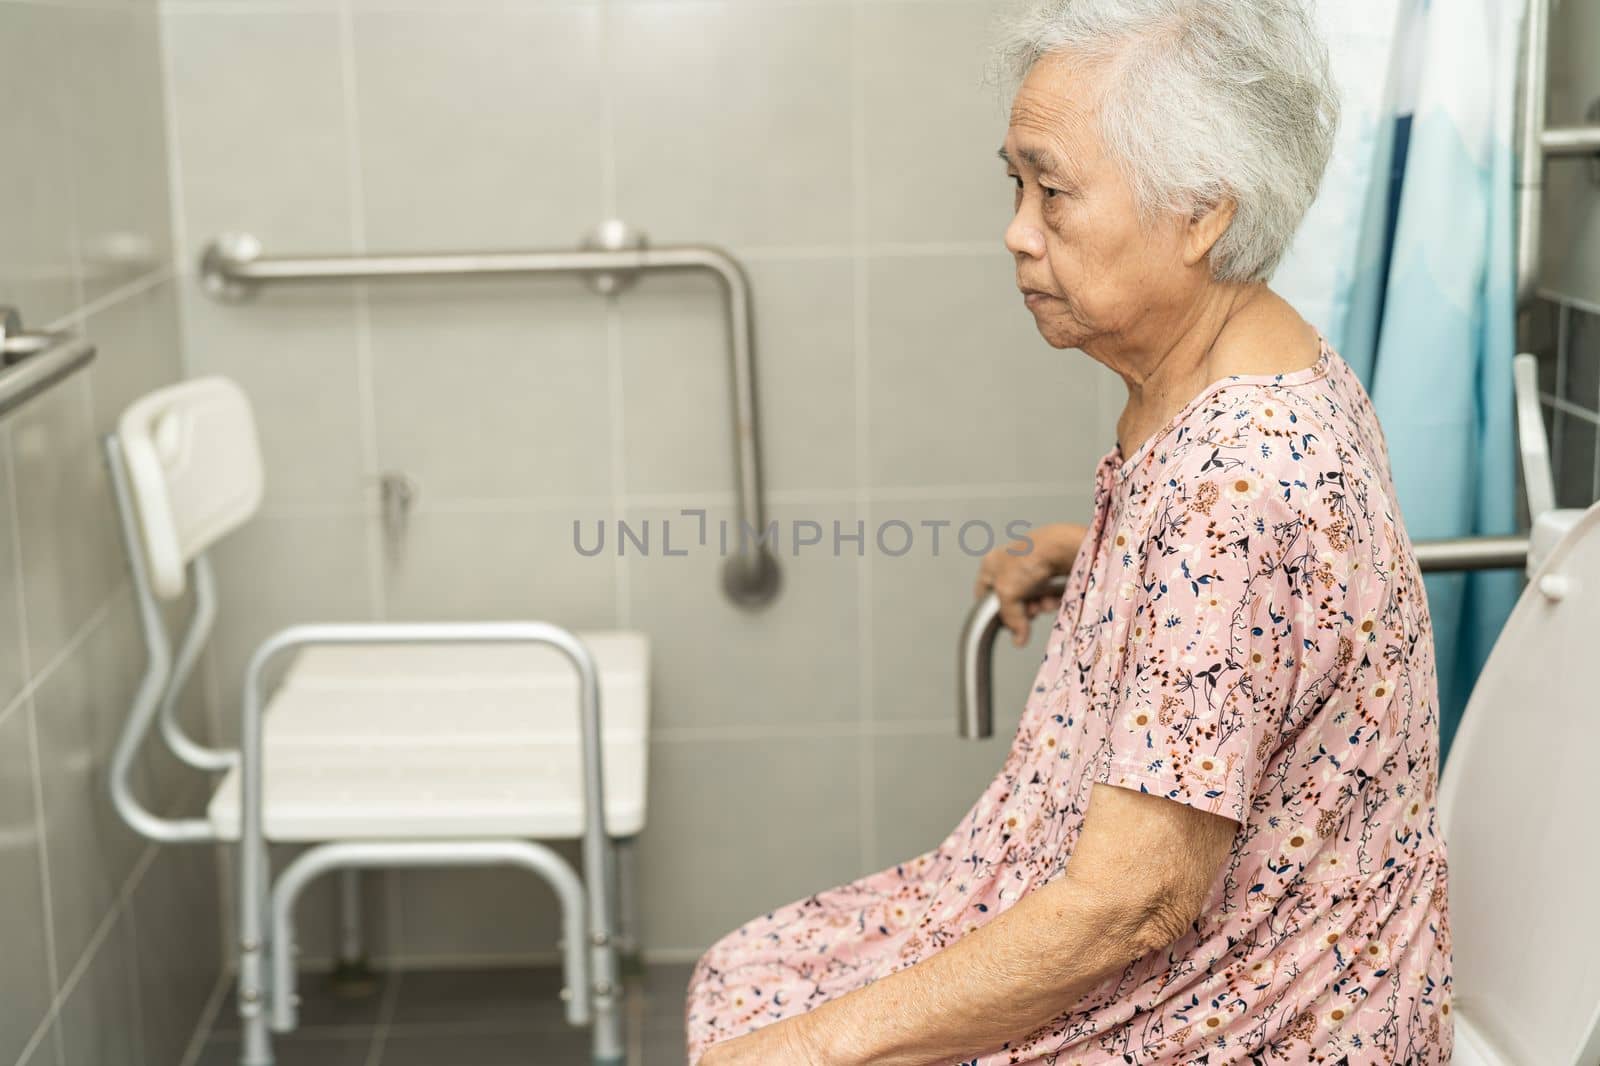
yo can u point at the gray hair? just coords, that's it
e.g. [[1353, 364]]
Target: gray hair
[[1204, 100]]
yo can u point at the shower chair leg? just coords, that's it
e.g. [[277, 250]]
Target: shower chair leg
[[583, 962], [353, 977], [608, 1047], [627, 896], [255, 1041], [256, 1049]]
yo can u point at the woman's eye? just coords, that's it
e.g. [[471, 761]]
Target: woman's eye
[[1018, 179]]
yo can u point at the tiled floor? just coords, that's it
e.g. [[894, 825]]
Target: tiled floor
[[463, 1018]]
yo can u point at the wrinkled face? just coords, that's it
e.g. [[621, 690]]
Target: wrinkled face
[[1076, 234]]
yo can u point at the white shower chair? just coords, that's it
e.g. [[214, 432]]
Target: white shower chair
[[1515, 806], [384, 745]]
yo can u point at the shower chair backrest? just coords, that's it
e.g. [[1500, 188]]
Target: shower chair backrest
[[194, 470]]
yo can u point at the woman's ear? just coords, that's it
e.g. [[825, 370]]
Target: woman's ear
[[1205, 228]]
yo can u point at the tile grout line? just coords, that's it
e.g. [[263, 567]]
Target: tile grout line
[[1594, 399], [906, 727], [375, 527], [1567, 407], [207, 1020], [45, 1029], [622, 588], [45, 673], [394, 928], [608, 159], [122, 293], [14, 524], [866, 835], [716, 499], [468, 6], [74, 223], [121, 904], [1557, 412], [177, 202], [1566, 301], [139, 1026], [24, 704], [799, 253], [634, 1002], [376, 532], [386, 1012], [30, 721], [621, 570], [218, 7], [717, 502], [355, 175], [16, 704], [107, 922]]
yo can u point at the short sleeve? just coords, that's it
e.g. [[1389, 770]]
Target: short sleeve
[[1210, 652]]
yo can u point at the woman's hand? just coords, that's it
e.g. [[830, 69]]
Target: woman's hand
[[785, 1043], [1019, 573]]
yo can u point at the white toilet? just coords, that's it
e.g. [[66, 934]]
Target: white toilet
[[1515, 808]]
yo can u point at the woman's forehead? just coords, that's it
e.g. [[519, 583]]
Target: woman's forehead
[[1049, 131]]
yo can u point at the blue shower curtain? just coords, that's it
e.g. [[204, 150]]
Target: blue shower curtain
[[1428, 316]]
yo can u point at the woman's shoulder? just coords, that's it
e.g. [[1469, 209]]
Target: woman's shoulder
[[1301, 445], [1282, 423]]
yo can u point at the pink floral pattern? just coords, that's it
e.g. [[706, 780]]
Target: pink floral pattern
[[1245, 632]]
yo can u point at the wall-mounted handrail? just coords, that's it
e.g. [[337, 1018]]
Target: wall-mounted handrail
[[1566, 141], [232, 267], [1538, 142], [975, 652], [32, 362]]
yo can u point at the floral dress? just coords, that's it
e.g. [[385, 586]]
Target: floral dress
[[1244, 631]]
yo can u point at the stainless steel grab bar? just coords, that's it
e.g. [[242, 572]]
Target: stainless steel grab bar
[[32, 362], [232, 267], [975, 662], [1536, 143]]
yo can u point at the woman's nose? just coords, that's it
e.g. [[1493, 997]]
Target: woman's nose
[[1024, 238]]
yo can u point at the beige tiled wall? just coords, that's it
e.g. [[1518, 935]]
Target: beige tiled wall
[[844, 152], [108, 945]]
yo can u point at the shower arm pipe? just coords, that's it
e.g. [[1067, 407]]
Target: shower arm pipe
[[975, 653], [232, 267], [1536, 143]]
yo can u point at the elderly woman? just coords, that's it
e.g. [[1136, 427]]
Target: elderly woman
[[1213, 839]]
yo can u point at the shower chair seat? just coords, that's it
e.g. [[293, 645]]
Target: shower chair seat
[[438, 741]]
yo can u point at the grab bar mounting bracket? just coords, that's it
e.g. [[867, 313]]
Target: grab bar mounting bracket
[[218, 263], [613, 235]]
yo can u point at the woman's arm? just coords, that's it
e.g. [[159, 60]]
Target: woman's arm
[[1139, 876]]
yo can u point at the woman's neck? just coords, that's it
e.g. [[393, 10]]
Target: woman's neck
[[1250, 330]]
